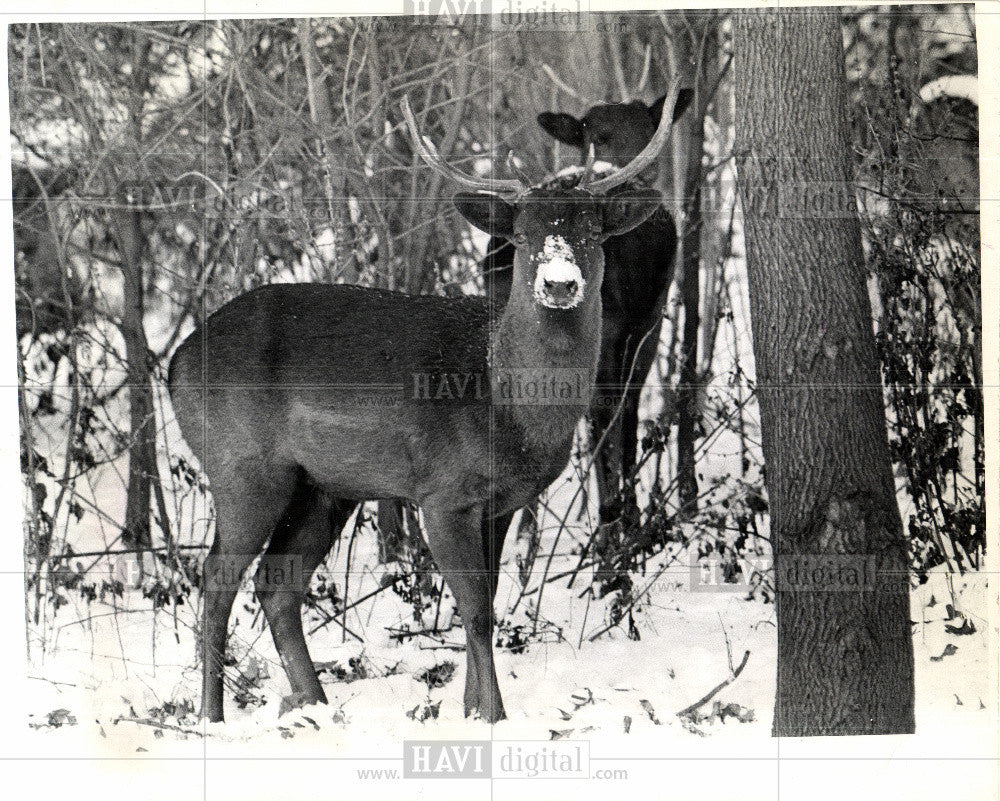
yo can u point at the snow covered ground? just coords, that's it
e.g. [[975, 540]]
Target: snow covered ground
[[118, 680]]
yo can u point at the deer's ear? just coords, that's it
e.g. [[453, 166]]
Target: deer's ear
[[564, 127], [684, 98], [624, 210], [489, 213]]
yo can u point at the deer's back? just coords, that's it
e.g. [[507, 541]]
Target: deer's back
[[323, 377], [323, 335]]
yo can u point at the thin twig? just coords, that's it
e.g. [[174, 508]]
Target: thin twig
[[158, 725], [688, 710], [562, 85]]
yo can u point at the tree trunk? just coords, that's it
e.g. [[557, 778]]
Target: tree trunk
[[693, 58], [127, 226], [845, 653], [142, 448]]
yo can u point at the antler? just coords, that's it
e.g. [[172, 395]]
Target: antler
[[428, 152], [520, 174], [588, 165], [649, 152]]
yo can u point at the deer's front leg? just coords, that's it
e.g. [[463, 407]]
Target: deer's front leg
[[455, 537]]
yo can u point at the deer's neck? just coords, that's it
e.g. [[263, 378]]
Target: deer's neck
[[543, 363]]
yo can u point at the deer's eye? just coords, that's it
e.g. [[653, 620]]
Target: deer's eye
[[520, 239]]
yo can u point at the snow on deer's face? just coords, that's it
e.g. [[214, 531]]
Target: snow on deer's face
[[559, 284], [557, 236]]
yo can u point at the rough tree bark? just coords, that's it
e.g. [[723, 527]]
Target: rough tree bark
[[845, 654]]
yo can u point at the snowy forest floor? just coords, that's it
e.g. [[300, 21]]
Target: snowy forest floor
[[118, 679]]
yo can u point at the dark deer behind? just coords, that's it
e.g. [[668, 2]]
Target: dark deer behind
[[638, 269]]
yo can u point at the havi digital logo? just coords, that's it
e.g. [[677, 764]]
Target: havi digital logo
[[446, 759], [431, 12]]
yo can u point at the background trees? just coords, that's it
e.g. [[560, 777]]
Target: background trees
[[161, 169]]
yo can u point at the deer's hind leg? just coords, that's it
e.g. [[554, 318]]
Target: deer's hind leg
[[248, 505], [300, 542]]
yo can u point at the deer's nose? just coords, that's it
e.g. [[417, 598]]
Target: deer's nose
[[562, 293], [559, 284]]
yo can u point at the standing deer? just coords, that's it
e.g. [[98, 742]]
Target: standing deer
[[271, 394], [638, 269]]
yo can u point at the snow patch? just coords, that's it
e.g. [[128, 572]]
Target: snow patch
[[964, 87], [600, 168], [557, 264]]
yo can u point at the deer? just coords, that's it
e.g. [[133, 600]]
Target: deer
[[638, 269], [269, 393]]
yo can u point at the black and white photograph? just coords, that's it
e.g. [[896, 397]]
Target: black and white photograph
[[501, 399]]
